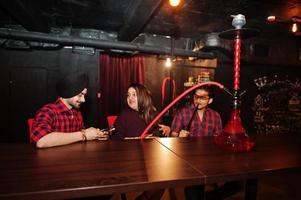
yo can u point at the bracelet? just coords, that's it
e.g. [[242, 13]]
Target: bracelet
[[84, 137]]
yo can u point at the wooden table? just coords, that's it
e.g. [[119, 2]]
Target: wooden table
[[109, 167], [90, 169], [271, 154]]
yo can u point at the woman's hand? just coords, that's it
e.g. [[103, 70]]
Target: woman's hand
[[165, 129]]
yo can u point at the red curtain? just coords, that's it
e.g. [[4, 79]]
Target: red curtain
[[116, 73]]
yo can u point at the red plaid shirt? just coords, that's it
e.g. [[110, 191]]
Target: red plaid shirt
[[210, 125], [56, 117]]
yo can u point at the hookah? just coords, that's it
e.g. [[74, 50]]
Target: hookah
[[234, 136]]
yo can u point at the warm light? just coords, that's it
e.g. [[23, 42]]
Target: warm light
[[168, 63], [174, 3], [294, 28], [271, 18]]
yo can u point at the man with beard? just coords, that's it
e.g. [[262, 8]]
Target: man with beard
[[61, 122]]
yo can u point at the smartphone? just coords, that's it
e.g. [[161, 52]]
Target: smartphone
[[109, 130]]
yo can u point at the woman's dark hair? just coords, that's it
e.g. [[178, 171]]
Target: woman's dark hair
[[146, 106]]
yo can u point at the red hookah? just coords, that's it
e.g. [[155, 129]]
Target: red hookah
[[234, 136]]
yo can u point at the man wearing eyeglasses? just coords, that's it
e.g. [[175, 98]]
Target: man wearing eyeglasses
[[197, 119]]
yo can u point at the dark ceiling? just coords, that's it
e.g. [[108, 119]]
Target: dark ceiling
[[126, 19]]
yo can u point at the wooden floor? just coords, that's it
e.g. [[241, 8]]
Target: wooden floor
[[274, 187]]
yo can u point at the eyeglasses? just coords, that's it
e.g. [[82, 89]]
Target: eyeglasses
[[203, 98]]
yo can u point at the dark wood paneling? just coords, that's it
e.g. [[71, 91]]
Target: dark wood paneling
[[28, 91], [28, 81]]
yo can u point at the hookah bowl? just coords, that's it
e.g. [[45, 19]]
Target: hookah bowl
[[234, 141], [234, 136]]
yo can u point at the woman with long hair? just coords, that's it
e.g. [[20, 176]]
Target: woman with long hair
[[132, 121], [139, 112]]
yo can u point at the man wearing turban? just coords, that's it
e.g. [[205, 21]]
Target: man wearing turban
[[61, 122]]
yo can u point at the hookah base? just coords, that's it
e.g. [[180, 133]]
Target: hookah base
[[238, 142]]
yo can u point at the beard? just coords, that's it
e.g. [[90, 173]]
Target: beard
[[76, 105]]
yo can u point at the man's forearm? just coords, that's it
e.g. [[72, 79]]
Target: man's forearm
[[59, 138]]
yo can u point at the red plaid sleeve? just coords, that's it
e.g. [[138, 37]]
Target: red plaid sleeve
[[56, 117], [41, 125]]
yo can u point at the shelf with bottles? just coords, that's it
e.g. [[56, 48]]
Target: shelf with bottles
[[204, 76]]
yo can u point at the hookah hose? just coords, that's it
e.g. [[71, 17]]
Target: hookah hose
[[144, 133], [187, 128]]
